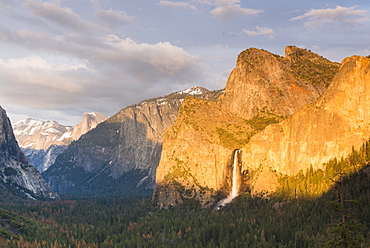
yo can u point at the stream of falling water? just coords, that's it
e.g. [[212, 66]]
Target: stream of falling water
[[234, 187]]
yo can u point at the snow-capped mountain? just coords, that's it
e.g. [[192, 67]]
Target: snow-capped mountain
[[195, 90], [40, 135], [43, 141]]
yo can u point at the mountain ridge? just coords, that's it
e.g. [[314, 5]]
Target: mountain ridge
[[43, 141]]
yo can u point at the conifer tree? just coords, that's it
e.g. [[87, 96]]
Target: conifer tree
[[346, 232]]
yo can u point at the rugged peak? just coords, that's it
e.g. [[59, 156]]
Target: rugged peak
[[348, 94], [8, 144], [293, 53], [94, 115], [88, 122], [256, 58], [15, 173], [266, 82]]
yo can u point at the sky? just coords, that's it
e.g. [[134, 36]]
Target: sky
[[61, 58]]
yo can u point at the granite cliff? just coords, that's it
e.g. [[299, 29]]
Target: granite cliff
[[263, 81], [16, 175], [89, 121], [329, 128], [120, 156], [264, 88]]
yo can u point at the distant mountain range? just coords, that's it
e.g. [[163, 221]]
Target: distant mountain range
[[43, 141]]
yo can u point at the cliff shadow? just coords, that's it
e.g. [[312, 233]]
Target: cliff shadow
[[115, 158]]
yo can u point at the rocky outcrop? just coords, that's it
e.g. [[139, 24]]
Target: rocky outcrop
[[43, 141], [329, 128], [263, 88], [120, 156], [15, 173], [266, 82], [89, 121]]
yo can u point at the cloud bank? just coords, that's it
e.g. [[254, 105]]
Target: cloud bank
[[269, 33], [79, 64], [228, 9], [348, 16]]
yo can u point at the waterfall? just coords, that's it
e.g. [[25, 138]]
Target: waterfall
[[234, 186], [234, 190]]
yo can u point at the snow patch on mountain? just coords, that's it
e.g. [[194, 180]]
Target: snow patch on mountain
[[195, 90]]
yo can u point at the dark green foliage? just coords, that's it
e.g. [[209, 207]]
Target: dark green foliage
[[347, 231], [262, 120], [126, 185], [13, 225], [231, 139], [312, 68]]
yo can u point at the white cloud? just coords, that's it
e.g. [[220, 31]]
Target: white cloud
[[94, 70], [161, 61], [114, 17], [347, 16], [261, 31], [182, 5], [157, 60], [64, 17], [228, 9], [34, 72]]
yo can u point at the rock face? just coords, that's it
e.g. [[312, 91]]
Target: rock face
[[120, 156], [263, 81], [43, 141], [15, 173], [263, 88], [197, 154], [88, 122], [329, 128], [42, 159]]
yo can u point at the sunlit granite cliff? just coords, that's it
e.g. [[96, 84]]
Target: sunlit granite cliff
[[264, 88], [331, 127]]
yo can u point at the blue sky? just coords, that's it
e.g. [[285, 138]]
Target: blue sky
[[62, 58]]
